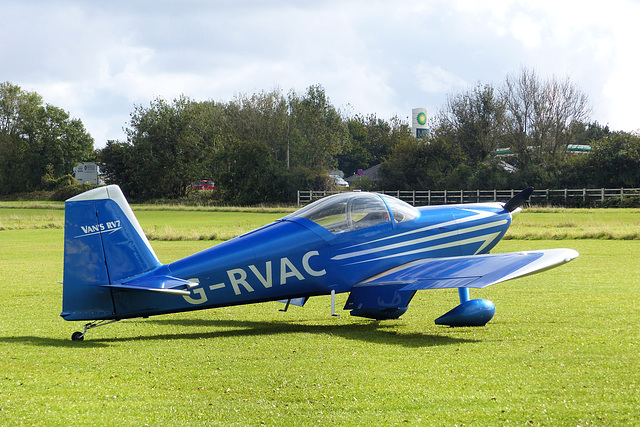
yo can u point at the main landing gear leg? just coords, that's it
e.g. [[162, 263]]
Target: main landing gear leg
[[333, 303], [79, 336]]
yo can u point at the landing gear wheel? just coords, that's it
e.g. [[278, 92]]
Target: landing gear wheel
[[79, 336]]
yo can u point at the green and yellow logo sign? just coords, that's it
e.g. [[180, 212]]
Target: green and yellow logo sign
[[421, 118]]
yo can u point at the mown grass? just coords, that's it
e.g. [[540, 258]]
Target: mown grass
[[223, 223], [185, 225], [563, 349], [560, 223], [30, 219]]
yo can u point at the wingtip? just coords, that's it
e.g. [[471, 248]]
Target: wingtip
[[571, 255]]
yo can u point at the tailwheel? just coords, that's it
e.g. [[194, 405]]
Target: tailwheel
[[77, 336]]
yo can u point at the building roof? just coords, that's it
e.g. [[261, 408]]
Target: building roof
[[373, 173]]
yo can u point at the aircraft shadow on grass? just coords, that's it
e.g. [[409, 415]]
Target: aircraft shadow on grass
[[373, 332]]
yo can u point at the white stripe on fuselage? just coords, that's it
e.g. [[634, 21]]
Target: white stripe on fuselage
[[479, 215], [487, 238], [422, 239]]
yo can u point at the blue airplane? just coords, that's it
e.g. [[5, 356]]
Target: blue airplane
[[378, 248]]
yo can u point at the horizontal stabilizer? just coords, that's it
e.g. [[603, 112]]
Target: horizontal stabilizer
[[165, 284], [475, 271]]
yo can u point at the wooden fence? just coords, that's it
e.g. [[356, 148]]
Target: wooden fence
[[563, 197]]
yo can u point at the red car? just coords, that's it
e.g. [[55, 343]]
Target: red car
[[203, 184]]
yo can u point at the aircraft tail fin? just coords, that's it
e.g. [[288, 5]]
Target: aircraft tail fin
[[103, 245]]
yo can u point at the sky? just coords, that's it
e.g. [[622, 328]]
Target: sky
[[97, 60]]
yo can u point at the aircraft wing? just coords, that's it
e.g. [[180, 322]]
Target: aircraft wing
[[475, 271]]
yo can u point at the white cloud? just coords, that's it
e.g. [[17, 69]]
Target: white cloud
[[433, 79], [622, 88], [527, 30]]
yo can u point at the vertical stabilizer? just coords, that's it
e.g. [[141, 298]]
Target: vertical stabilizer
[[103, 245]]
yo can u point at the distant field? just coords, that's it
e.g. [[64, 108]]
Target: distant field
[[157, 224], [189, 223], [563, 348], [541, 223]]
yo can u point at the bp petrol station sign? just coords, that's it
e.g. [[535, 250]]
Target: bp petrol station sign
[[419, 126]]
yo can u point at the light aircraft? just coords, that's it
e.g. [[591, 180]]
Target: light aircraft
[[378, 248]]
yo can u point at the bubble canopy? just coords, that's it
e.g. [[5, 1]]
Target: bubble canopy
[[352, 211]]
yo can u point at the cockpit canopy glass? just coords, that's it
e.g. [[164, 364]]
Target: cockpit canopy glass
[[353, 211], [401, 211]]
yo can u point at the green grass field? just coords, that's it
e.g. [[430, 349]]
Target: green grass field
[[562, 349]]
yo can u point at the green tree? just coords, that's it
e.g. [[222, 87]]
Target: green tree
[[371, 141], [165, 149], [418, 165], [357, 154], [586, 133], [118, 165], [37, 142], [474, 120], [317, 133], [248, 174], [61, 141], [614, 161], [541, 116], [263, 117], [241, 145]]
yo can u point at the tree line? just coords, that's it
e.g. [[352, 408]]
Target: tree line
[[537, 121], [261, 148], [39, 143], [257, 149]]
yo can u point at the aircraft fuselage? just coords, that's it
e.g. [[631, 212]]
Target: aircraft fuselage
[[295, 257]]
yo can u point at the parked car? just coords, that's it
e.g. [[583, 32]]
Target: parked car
[[339, 181], [203, 184]]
